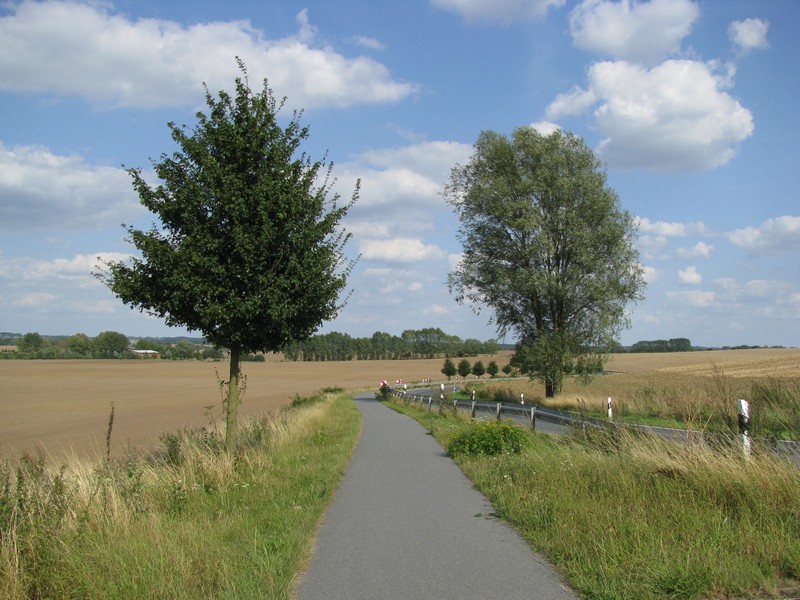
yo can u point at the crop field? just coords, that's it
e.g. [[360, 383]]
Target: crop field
[[62, 407]]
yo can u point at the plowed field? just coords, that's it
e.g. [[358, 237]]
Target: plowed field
[[62, 407]]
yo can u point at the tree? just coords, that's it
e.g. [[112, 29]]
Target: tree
[[492, 369], [449, 368], [79, 345], [464, 368], [249, 250], [546, 246], [478, 369], [110, 344], [183, 350], [31, 342]]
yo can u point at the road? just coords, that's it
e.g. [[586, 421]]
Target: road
[[407, 524]]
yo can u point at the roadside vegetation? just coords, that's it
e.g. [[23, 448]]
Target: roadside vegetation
[[629, 516], [188, 521], [700, 398]]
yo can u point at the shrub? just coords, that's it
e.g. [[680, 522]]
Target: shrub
[[482, 438]]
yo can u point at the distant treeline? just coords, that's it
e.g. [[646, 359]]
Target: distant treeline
[[673, 345], [412, 343]]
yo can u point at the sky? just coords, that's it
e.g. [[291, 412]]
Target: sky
[[690, 105]]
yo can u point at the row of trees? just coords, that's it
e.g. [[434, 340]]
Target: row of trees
[[673, 345], [108, 344], [412, 343], [464, 368]]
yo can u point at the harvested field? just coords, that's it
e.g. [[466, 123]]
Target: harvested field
[[62, 406]]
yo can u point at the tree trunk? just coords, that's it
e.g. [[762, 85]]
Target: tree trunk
[[232, 405], [549, 389]]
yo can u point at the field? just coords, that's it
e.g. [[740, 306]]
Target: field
[[62, 407]]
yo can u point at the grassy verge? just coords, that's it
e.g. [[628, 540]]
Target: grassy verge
[[701, 402], [189, 522], [633, 517]]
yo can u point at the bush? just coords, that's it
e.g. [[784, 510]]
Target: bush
[[482, 438]]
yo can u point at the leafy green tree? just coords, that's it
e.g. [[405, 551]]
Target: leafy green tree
[[449, 368], [547, 246], [248, 250], [507, 368], [212, 353], [110, 344], [31, 342], [492, 369], [145, 344], [183, 350], [464, 368], [478, 369], [79, 345]]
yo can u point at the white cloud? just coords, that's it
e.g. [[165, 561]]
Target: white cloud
[[498, 11], [575, 102], [642, 32], [673, 117], [698, 299], [690, 276], [33, 300], [750, 34], [87, 50], [437, 310], [40, 190], [402, 185], [651, 274], [774, 236], [662, 228], [368, 42], [699, 250], [545, 127], [400, 250], [76, 271]]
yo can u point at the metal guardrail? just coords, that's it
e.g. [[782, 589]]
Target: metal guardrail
[[529, 415]]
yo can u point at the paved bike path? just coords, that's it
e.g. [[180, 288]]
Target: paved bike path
[[407, 524]]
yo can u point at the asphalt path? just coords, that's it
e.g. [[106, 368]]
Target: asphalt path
[[407, 524]]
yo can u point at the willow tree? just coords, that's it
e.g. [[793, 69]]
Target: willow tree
[[248, 249], [547, 246]]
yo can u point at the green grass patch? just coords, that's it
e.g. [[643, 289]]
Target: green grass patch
[[187, 522], [628, 516]]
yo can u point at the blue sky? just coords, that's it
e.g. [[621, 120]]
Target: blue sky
[[692, 106]]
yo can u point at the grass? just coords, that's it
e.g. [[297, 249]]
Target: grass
[[698, 398], [627, 516], [185, 522]]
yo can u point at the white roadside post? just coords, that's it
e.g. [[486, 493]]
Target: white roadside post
[[744, 426], [522, 398], [610, 410]]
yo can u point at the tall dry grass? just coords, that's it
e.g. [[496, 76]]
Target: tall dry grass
[[186, 521]]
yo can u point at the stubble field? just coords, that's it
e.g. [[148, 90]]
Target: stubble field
[[62, 407]]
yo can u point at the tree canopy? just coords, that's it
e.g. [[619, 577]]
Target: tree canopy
[[248, 249], [547, 246]]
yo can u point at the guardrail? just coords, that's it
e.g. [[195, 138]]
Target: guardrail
[[530, 415]]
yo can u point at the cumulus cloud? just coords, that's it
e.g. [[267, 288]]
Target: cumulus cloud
[[40, 190], [87, 50], [697, 299], [642, 32], [690, 276], [673, 117], [750, 34], [651, 274], [699, 250], [75, 271], [545, 127], [400, 250], [402, 184], [662, 228], [774, 236], [498, 11]]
